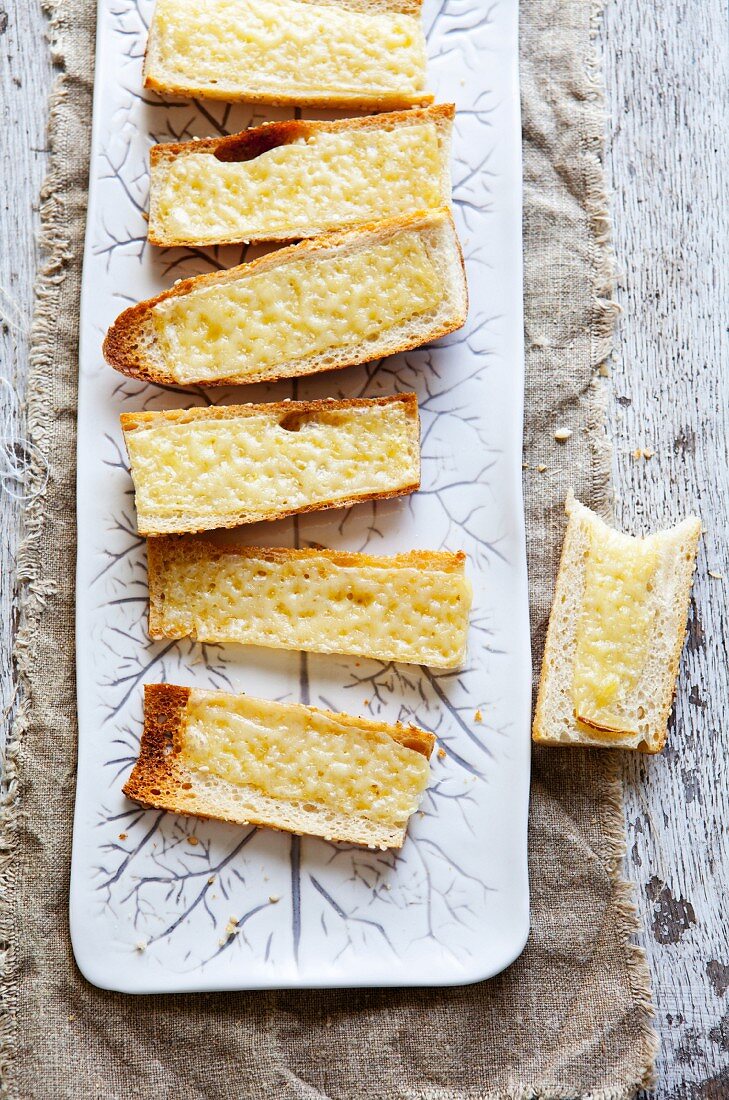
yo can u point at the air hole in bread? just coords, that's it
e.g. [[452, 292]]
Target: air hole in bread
[[294, 422], [250, 144]]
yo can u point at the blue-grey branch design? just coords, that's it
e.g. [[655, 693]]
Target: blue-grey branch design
[[195, 895]]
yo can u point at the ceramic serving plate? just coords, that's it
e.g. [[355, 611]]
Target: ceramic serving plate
[[152, 895]]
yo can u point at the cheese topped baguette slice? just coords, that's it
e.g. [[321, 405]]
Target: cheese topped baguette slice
[[361, 54], [341, 299], [615, 634], [412, 607], [288, 180], [197, 469], [292, 767]]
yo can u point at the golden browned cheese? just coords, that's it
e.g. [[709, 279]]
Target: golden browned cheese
[[300, 309], [614, 628], [413, 607], [301, 755], [286, 49], [328, 180]]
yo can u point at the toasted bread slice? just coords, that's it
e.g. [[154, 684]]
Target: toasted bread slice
[[285, 181], [357, 54], [196, 469], [615, 634], [341, 299], [412, 607], [291, 767]]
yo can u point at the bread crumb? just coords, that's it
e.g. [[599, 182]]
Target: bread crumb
[[441, 754], [122, 836], [230, 929], [72, 1016], [365, 702], [643, 452], [478, 717], [140, 946], [562, 434], [717, 576], [211, 880], [525, 465], [541, 468], [273, 898], [193, 840]]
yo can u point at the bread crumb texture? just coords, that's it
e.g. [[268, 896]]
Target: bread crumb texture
[[365, 53], [293, 767], [326, 180], [615, 634], [298, 310], [412, 607], [222, 466]]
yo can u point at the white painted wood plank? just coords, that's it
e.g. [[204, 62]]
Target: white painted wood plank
[[667, 71], [25, 81]]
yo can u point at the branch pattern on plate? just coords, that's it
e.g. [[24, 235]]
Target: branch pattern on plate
[[194, 894]]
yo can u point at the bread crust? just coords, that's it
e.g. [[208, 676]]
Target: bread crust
[[159, 781], [375, 101], [285, 409], [120, 344], [134, 420], [252, 143], [542, 731]]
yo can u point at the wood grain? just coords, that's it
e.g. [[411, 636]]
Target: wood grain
[[25, 81], [667, 74], [667, 71]]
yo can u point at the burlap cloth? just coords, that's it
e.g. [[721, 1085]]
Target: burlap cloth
[[572, 1017]]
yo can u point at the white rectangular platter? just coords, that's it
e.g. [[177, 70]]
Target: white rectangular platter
[[152, 895]]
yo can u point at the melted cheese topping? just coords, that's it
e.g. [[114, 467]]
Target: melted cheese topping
[[329, 180], [614, 628], [285, 46], [296, 754], [388, 608], [216, 469], [296, 311]]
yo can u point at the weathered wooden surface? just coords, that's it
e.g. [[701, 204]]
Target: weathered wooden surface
[[667, 73], [667, 70], [25, 80]]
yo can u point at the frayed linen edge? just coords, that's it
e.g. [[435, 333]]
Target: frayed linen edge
[[32, 591]]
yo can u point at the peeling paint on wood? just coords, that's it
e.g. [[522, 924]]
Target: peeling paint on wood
[[672, 916], [718, 976]]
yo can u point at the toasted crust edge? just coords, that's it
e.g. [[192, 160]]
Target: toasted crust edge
[[134, 420], [127, 326], [681, 607], [251, 143], [539, 733], [154, 769]]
